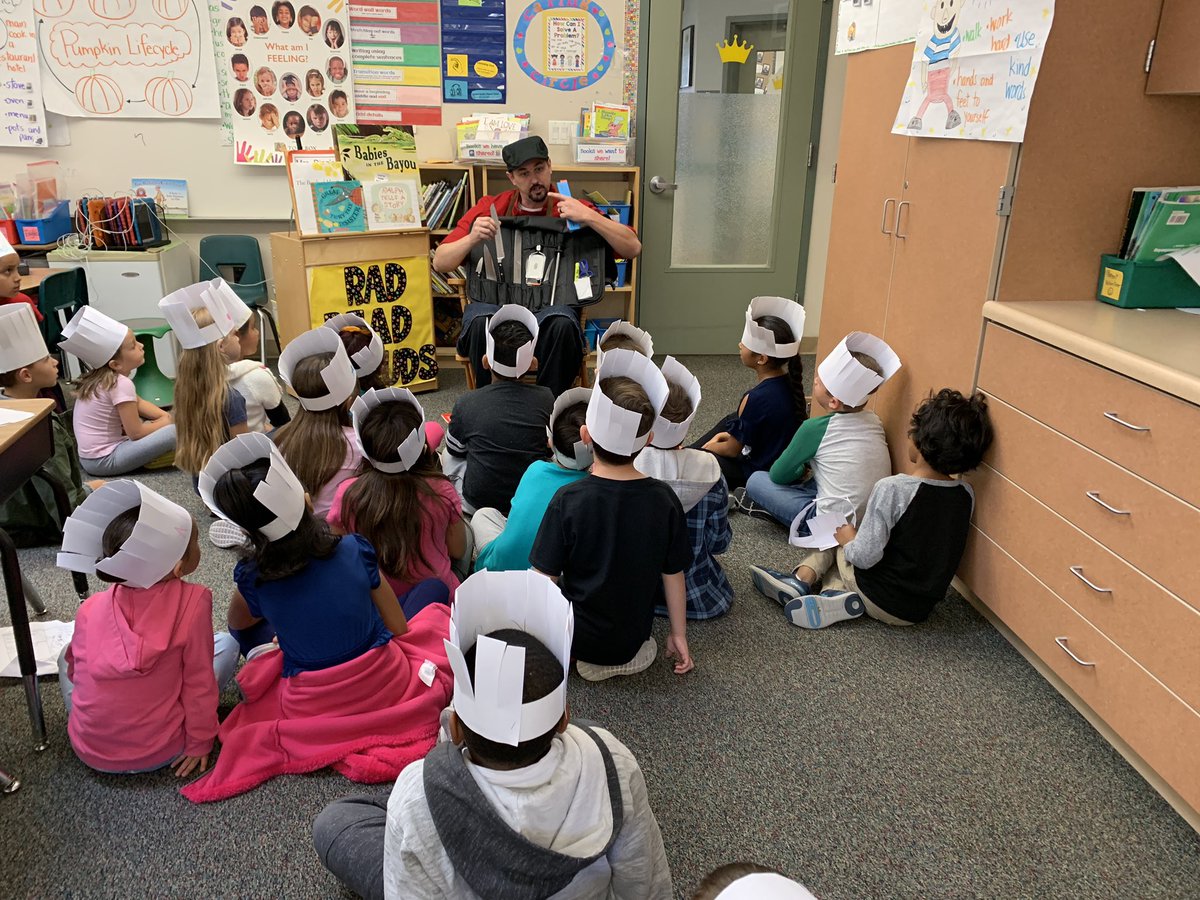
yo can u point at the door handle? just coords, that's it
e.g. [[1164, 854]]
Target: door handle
[[657, 185], [899, 211], [883, 221]]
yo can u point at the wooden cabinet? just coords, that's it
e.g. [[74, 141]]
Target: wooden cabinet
[[1174, 60], [448, 295]]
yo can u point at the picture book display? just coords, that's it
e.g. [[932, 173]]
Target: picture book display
[[392, 204], [305, 168], [609, 120], [170, 194], [371, 152], [339, 207]]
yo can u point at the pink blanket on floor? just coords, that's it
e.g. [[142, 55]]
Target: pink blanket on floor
[[368, 718]]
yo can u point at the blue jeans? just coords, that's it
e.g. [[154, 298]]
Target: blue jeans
[[130, 455], [783, 501]]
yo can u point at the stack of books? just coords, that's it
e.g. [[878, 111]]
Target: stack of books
[[441, 280], [442, 202], [1160, 221]]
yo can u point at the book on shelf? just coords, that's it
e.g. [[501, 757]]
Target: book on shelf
[[442, 201], [392, 204], [372, 153], [1167, 213], [339, 207], [171, 194]]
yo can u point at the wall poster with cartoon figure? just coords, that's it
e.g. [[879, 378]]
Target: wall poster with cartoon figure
[[974, 67], [289, 76], [870, 24]]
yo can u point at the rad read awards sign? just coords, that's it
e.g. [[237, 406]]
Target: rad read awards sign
[[394, 297]]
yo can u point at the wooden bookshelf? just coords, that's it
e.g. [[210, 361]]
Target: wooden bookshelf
[[449, 305]]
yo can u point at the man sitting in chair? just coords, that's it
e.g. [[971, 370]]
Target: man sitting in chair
[[560, 346]]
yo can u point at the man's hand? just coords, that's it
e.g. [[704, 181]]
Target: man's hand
[[483, 229], [845, 534], [572, 209]]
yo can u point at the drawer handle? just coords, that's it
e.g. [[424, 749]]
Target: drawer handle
[[1077, 571], [1062, 642], [883, 222], [1113, 417], [1095, 495]]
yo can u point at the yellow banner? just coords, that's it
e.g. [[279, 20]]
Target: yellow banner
[[394, 296]]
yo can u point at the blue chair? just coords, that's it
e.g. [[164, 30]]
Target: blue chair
[[238, 259]]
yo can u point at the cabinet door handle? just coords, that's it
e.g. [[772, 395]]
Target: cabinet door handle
[[1095, 496], [1062, 642], [883, 221], [899, 211], [1113, 417], [1077, 571]]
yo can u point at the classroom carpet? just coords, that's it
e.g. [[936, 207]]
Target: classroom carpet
[[862, 760]]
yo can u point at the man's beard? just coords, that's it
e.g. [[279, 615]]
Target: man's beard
[[537, 194]]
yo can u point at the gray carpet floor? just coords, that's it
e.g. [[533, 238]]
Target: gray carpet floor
[[863, 760]]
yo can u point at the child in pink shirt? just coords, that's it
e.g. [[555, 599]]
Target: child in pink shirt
[[143, 672]]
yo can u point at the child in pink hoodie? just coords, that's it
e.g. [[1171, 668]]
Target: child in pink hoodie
[[143, 672]]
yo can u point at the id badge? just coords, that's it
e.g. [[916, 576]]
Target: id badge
[[583, 288], [535, 268]]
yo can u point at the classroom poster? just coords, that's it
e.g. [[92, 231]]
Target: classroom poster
[[394, 296], [24, 122], [474, 49], [290, 76], [129, 59], [397, 61], [974, 68], [868, 24], [566, 44], [216, 21]]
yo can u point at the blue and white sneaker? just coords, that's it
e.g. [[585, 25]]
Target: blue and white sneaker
[[781, 587], [823, 609]]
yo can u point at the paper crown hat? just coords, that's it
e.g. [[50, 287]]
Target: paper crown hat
[[179, 306], [93, 337], [640, 337], [21, 342], [669, 435], [849, 380], [765, 886], [366, 360], [614, 428], [6, 249], [237, 306], [158, 540], [492, 706], [757, 339], [581, 457], [410, 448], [338, 374], [512, 312], [280, 492]]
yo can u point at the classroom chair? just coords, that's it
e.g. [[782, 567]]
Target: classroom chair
[[151, 381], [59, 297], [238, 259]]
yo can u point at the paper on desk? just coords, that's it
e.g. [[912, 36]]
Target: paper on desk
[[48, 640], [822, 527], [12, 416], [1189, 258]]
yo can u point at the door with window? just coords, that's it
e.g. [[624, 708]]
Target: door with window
[[730, 136]]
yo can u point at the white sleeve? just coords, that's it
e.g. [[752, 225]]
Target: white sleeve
[[415, 867], [638, 858]]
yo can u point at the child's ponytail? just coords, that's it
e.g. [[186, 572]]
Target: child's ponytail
[[794, 365], [201, 395]]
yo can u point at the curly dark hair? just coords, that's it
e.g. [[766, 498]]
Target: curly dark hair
[[952, 432]]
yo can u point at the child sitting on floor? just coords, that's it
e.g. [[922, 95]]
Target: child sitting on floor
[[363, 346], [116, 430], [621, 335], [695, 477], [497, 430], [519, 801], [617, 539], [142, 674], [265, 409], [319, 443], [747, 881], [504, 541], [898, 563]]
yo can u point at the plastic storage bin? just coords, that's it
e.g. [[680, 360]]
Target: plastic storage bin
[[595, 328], [1145, 285], [46, 229]]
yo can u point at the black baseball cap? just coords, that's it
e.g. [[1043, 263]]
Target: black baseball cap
[[520, 152]]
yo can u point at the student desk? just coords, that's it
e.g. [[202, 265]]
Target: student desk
[[31, 282], [24, 446]]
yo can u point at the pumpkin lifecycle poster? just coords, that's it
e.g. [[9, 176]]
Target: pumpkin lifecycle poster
[[131, 59]]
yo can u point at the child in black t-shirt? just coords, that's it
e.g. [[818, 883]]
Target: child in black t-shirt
[[496, 431], [617, 541]]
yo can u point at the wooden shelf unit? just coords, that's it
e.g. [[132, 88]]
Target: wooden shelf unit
[[431, 172]]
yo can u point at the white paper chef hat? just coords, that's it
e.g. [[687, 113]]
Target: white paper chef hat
[[512, 312], [669, 435], [765, 886], [158, 540], [178, 309], [581, 458], [237, 306], [486, 602], [366, 360], [21, 342], [339, 376], [762, 340], [6, 249], [849, 380], [93, 337], [614, 428], [281, 491], [410, 448], [640, 337]]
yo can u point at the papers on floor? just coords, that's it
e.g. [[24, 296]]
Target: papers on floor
[[822, 527], [13, 416], [48, 640]]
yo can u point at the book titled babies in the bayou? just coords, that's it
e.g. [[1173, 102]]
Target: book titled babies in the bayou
[[339, 207], [368, 151]]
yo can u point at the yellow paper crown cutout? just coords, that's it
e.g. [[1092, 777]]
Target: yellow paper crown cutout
[[735, 52]]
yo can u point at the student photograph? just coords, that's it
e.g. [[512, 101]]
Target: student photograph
[[240, 66], [336, 70], [264, 81], [310, 20], [235, 31], [293, 124], [268, 117], [244, 102], [283, 13], [314, 83], [339, 105], [258, 20], [318, 117], [334, 37], [290, 87]]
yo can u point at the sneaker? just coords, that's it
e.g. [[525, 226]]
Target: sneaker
[[953, 120], [825, 608], [744, 504], [258, 651], [640, 663], [778, 586], [226, 534]]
